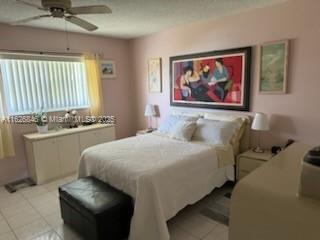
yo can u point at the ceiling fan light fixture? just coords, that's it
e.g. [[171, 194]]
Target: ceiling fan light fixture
[[57, 12]]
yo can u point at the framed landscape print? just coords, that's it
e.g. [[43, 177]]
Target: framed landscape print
[[155, 75], [108, 69], [273, 67], [218, 79]]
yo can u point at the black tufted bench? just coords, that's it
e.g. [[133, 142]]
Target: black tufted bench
[[96, 210]]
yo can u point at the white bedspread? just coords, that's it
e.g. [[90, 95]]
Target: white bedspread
[[162, 175]]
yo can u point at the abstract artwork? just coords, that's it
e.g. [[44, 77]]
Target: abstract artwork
[[273, 67], [154, 75], [218, 79]]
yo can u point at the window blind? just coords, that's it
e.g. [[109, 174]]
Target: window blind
[[50, 85], [2, 115]]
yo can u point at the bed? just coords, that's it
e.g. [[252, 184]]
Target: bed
[[163, 175]]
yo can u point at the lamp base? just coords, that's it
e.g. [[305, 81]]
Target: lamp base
[[258, 150]]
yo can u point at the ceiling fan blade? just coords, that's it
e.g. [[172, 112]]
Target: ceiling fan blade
[[98, 9], [31, 4], [26, 20], [81, 23]]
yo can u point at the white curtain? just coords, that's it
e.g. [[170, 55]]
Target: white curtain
[[6, 140]]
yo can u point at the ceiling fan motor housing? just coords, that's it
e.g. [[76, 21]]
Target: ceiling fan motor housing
[[56, 4]]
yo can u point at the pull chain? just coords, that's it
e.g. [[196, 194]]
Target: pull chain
[[67, 35]]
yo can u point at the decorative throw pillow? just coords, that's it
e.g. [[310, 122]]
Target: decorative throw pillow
[[211, 131], [183, 130], [169, 123], [239, 132]]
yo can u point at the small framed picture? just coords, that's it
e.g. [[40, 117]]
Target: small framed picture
[[108, 69], [274, 67], [155, 75]]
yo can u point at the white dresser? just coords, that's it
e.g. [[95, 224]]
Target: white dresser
[[265, 204], [56, 153]]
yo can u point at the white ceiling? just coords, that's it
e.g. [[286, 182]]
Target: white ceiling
[[135, 18]]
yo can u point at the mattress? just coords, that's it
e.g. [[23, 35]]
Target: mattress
[[162, 175]]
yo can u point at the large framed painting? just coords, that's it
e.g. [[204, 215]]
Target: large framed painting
[[155, 75], [273, 67], [218, 79]]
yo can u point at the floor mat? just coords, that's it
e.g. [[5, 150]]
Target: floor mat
[[218, 209], [15, 186]]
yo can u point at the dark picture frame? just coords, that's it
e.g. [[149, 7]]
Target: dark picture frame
[[217, 79]]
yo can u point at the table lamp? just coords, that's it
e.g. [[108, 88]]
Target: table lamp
[[260, 123], [149, 113]]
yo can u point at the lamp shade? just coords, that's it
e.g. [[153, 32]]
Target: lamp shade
[[150, 111], [260, 122]]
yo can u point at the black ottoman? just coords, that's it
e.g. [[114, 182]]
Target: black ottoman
[[96, 210]]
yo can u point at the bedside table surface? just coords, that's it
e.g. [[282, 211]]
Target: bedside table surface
[[266, 155]]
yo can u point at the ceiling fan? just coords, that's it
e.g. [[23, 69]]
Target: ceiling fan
[[64, 9]]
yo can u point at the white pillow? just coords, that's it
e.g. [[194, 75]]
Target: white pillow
[[211, 131], [169, 123], [241, 120], [183, 130]]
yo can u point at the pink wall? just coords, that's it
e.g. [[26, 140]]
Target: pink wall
[[117, 93], [293, 115]]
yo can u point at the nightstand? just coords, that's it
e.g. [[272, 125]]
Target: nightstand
[[144, 131], [249, 161]]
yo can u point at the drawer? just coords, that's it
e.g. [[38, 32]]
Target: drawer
[[249, 164]]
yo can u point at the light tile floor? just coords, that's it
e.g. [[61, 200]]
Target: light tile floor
[[34, 214]]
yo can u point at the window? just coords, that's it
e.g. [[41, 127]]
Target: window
[[32, 83], [2, 113]]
